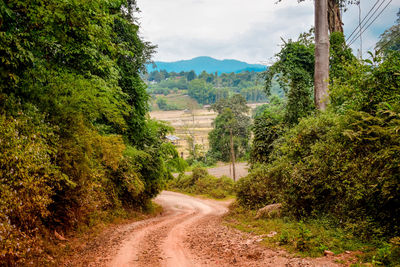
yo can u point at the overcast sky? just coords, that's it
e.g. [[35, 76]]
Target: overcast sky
[[235, 29]]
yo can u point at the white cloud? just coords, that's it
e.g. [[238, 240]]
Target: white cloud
[[245, 30]]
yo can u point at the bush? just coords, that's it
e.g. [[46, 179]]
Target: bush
[[170, 155], [345, 166], [27, 178], [201, 183], [267, 127], [163, 105], [258, 189], [387, 253], [152, 171], [198, 173], [367, 86]]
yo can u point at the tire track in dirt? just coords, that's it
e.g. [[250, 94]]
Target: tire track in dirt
[[190, 232], [162, 243]]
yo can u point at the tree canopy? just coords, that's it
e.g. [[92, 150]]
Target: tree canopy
[[232, 119], [74, 137]]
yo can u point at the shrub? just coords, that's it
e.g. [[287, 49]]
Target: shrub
[[173, 162], [258, 189], [152, 171], [198, 173], [27, 178], [345, 166], [367, 86], [201, 183]]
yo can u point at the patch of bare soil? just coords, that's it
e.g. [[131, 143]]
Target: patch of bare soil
[[99, 250], [219, 245]]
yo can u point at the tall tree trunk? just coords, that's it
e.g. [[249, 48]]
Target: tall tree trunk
[[334, 17], [321, 73], [232, 156]]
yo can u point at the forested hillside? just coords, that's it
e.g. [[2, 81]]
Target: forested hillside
[[207, 64], [74, 139], [208, 88]]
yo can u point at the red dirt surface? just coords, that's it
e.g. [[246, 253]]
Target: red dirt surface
[[188, 233]]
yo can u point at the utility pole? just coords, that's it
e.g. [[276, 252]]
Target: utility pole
[[321, 73], [232, 156]]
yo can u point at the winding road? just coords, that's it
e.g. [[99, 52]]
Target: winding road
[[161, 243], [189, 232]]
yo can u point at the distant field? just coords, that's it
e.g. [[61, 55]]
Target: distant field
[[197, 121], [181, 101]]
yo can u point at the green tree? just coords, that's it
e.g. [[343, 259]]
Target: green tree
[[237, 104], [268, 126], [390, 39], [201, 91], [191, 76], [72, 101], [340, 57], [230, 136], [294, 70], [162, 103]]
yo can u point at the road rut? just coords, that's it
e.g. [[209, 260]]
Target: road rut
[[161, 243], [190, 232]]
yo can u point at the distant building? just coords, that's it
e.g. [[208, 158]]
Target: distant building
[[173, 139]]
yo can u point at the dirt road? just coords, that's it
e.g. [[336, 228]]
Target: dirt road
[[240, 167], [162, 243], [226, 169], [190, 232]]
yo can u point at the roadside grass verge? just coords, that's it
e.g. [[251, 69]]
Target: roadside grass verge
[[203, 196], [312, 237], [200, 164]]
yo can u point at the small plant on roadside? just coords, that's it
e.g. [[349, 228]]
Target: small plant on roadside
[[304, 238], [284, 237]]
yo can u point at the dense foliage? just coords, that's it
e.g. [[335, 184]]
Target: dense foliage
[[267, 127], [342, 164], [74, 138], [294, 70]]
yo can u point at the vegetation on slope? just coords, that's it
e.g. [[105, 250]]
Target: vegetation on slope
[[342, 164], [208, 88], [74, 139]]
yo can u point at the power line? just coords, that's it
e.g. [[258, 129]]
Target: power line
[[351, 42], [348, 38], [367, 20]]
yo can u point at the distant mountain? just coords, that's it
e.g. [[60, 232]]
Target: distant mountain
[[209, 64]]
